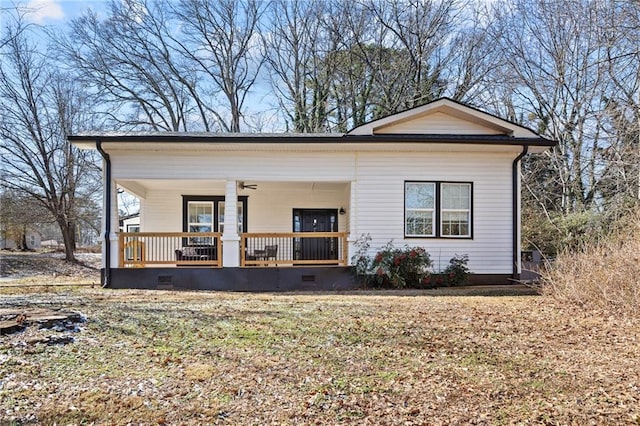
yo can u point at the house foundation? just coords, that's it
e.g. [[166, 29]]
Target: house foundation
[[235, 279]]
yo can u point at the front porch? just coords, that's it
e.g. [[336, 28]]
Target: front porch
[[308, 261]]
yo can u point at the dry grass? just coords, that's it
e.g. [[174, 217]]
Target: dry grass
[[47, 268], [604, 275], [405, 358]]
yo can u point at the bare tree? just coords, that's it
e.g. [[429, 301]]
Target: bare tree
[[420, 29], [553, 65], [471, 58], [621, 40], [344, 63], [293, 53], [221, 39], [38, 108], [132, 59], [359, 61]]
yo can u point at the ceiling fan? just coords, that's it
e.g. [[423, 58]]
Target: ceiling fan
[[243, 185]]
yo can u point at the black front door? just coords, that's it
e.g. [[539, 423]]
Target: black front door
[[316, 220]]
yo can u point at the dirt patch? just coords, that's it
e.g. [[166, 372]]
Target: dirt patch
[[13, 320]]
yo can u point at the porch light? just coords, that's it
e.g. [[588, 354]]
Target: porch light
[[342, 211]]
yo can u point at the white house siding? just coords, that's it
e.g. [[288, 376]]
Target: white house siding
[[272, 166], [380, 199], [34, 241], [285, 181], [163, 211], [269, 207], [289, 180], [438, 122]]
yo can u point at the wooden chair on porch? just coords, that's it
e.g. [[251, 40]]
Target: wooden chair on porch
[[269, 252]]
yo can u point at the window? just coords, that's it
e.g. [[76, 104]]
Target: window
[[200, 219], [455, 209], [206, 213], [200, 216], [420, 209], [438, 209]]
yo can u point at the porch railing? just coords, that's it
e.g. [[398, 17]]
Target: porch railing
[[295, 248], [139, 249], [204, 249]]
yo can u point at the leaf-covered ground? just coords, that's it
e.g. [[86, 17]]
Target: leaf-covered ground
[[156, 357], [48, 268]]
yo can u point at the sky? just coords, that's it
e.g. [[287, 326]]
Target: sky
[[54, 12]]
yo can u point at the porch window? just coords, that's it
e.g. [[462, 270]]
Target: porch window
[[438, 209], [205, 213], [200, 219]]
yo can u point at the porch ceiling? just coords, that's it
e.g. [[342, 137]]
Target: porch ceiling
[[140, 186]]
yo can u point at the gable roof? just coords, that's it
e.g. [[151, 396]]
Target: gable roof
[[443, 121], [444, 116]]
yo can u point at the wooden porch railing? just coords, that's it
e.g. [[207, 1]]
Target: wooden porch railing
[[295, 248], [204, 249], [139, 249]]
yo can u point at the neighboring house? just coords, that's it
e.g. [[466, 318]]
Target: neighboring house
[[51, 244], [33, 239], [130, 223], [285, 211]]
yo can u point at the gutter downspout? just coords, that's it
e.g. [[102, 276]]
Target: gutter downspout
[[106, 277], [515, 211]]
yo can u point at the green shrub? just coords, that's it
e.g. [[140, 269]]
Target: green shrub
[[437, 280], [360, 261], [400, 268], [457, 273], [407, 267]]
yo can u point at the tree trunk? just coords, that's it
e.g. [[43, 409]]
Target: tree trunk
[[68, 238], [22, 244]]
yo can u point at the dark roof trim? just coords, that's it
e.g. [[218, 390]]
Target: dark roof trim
[[285, 138], [449, 139], [129, 216], [173, 137]]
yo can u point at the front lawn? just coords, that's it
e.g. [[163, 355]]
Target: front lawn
[[156, 357]]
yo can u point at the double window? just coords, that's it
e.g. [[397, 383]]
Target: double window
[[438, 209]]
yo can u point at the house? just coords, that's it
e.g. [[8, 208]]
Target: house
[[10, 241], [130, 223], [260, 212]]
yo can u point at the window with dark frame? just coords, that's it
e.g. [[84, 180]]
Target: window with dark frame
[[420, 209], [205, 213], [438, 209]]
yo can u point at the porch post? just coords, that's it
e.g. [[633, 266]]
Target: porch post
[[230, 238]]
